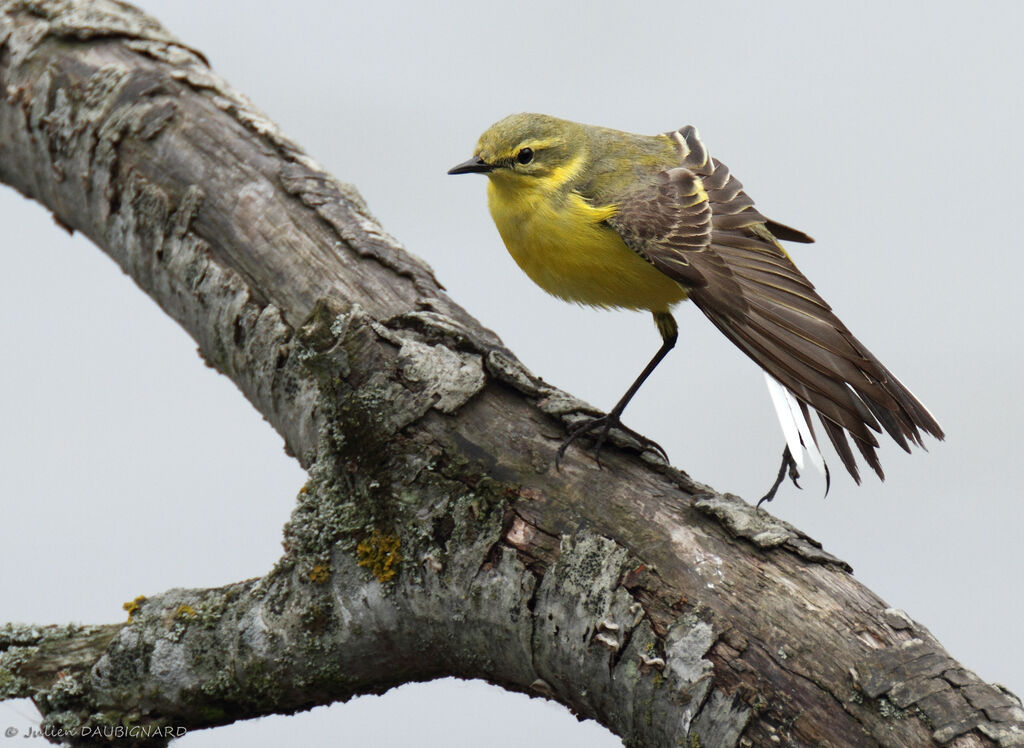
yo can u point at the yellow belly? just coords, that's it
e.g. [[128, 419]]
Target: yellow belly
[[567, 250]]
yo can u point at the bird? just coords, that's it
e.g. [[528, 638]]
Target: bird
[[612, 219]]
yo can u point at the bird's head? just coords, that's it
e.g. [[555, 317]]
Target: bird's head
[[525, 147]]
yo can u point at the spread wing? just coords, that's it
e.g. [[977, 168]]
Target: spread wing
[[697, 226]]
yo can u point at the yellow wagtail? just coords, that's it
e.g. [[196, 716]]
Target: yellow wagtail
[[612, 219]]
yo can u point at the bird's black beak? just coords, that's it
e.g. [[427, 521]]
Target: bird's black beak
[[475, 165]]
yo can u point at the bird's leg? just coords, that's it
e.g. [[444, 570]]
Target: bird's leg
[[788, 465], [669, 334]]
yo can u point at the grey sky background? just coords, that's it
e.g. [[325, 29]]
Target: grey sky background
[[889, 132]]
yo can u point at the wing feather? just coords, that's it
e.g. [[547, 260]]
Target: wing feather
[[699, 227]]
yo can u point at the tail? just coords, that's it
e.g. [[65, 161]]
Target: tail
[[796, 426]]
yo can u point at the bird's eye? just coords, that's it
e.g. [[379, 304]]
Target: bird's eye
[[525, 155]]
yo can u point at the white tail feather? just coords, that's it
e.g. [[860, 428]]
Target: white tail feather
[[789, 428], [795, 428]]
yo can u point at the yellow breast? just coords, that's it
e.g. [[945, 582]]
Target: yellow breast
[[563, 244]]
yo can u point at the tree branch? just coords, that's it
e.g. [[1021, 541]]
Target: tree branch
[[434, 536]]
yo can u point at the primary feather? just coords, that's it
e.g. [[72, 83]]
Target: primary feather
[[758, 298]]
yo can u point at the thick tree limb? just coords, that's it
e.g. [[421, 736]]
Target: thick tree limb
[[434, 536]]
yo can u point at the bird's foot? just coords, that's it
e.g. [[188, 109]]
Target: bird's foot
[[788, 466], [603, 425]]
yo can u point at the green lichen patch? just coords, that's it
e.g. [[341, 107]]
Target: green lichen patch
[[890, 711], [19, 634], [65, 692], [211, 609], [11, 660], [11, 686], [319, 333], [316, 619], [330, 511]]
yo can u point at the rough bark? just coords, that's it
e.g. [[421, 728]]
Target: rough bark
[[434, 537]]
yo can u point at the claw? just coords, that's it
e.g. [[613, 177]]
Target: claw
[[794, 474], [573, 433], [645, 443], [605, 423], [788, 467]]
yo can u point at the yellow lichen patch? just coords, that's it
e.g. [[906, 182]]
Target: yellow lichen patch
[[379, 553], [133, 606], [185, 611], [319, 574]]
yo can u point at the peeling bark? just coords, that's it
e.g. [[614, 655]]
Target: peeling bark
[[433, 537]]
